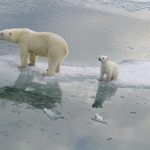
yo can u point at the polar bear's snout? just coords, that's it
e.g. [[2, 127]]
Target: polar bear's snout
[[103, 59]]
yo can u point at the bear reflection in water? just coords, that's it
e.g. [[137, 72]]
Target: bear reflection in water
[[104, 93], [31, 88]]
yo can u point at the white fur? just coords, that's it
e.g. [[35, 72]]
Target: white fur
[[108, 68], [33, 43]]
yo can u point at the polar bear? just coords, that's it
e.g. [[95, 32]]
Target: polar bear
[[108, 68], [33, 44]]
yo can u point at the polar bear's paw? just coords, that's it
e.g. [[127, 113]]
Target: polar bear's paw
[[21, 66], [47, 73], [31, 64]]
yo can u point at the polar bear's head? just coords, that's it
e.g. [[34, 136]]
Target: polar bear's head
[[11, 35], [103, 59]]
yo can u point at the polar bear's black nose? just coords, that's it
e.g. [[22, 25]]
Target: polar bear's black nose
[[99, 59]]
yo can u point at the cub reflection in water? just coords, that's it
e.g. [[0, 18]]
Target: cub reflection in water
[[105, 92]]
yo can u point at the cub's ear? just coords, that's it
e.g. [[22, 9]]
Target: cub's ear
[[99, 59]]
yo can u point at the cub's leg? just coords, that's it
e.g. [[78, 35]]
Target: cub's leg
[[101, 75], [109, 76]]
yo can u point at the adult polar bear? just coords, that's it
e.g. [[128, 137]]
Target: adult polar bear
[[34, 44]]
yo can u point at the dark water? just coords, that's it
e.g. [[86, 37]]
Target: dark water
[[90, 31]]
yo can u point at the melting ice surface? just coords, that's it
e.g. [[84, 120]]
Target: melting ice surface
[[72, 88]]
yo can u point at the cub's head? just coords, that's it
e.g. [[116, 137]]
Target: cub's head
[[11, 35], [103, 59]]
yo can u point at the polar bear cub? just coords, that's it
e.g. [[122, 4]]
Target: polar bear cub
[[108, 69]]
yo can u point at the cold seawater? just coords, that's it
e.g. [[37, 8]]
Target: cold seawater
[[91, 28]]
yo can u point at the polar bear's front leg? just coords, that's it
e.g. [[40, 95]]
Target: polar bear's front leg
[[24, 58]]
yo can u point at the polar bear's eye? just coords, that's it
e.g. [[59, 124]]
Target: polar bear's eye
[[10, 33]]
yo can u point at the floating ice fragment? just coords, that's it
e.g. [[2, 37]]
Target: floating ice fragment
[[99, 118], [53, 114], [29, 89], [37, 80]]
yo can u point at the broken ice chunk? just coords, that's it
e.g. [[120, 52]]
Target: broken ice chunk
[[99, 118], [29, 89], [53, 114]]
